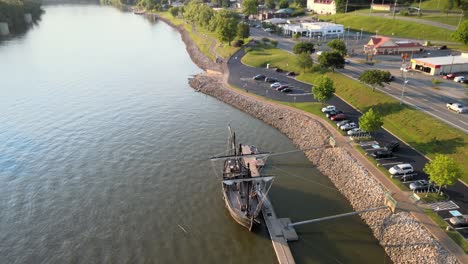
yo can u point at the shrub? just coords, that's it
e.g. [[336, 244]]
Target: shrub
[[298, 12], [265, 39], [274, 43], [249, 49], [238, 43], [404, 13]]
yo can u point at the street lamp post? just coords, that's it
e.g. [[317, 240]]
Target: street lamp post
[[403, 91], [419, 9], [361, 32], [376, 33]]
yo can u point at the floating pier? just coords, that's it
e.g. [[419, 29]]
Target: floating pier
[[279, 235]]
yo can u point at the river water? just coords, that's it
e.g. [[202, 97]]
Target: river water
[[104, 153]]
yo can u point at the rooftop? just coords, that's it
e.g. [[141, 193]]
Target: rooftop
[[445, 60]]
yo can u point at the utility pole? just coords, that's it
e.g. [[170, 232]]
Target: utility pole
[[370, 9], [459, 21], [346, 7], [403, 91], [394, 9], [419, 10]]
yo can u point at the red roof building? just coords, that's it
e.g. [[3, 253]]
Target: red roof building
[[385, 45]]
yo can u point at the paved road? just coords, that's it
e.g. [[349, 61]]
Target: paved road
[[418, 92], [241, 76]]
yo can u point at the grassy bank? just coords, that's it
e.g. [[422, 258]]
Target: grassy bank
[[452, 234], [204, 43], [428, 135], [389, 27]]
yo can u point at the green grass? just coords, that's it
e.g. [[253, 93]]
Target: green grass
[[454, 235], [434, 4], [442, 18], [202, 42], [428, 135], [433, 197], [388, 27]]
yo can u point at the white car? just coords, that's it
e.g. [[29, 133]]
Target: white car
[[355, 132], [459, 108], [328, 108], [268, 30], [348, 126], [342, 123], [401, 169], [275, 85], [459, 79]]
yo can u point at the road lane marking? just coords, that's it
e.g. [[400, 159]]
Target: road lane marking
[[464, 122], [391, 163]]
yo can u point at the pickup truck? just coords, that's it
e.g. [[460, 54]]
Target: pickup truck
[[456, 107]]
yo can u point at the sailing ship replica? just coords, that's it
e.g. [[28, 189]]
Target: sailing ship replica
[[244, 189]]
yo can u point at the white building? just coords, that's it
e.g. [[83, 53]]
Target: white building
[[438, 65], [322, 6], [312, 29]]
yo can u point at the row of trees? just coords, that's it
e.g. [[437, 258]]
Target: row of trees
[[225, 23], [12, 12]]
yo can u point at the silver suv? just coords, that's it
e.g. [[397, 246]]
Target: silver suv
[[401, 169]]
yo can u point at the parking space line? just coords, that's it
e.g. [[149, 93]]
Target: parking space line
[[387, 158], [392, 163]]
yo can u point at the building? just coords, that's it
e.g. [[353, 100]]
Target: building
[[313, 29], [439, 65], [385, 45], [322, 6]]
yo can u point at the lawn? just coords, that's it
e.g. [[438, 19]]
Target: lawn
[[202, 42], [389, 27], [428, 135], [442, 18], [452, 234], [435, 5]]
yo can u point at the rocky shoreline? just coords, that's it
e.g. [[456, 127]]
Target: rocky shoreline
[[404, 239]]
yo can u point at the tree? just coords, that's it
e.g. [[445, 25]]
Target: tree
[[323, 89], [227, 29], [332, 59], [462, 32], [284, 4], [304, 61], [300, 3], [442, 170], [270, 4], [174, 11], [302, 47], [370, 121], [243, 30], [338, 45], [375, 77], [249, 7]]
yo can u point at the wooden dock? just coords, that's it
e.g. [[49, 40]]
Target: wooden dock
[[279, 234]]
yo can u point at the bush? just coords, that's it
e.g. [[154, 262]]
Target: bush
[[298, 12], [238, 43], [319, 69], [274, 43], [404, 13], [249, 49], [265, 39]]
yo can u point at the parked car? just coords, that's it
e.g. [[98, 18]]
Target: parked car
[[328, 108], [333, 113], [392, 145], [271, 80], [286, 90], [459, 221], [290, 74], [259, 77], [391, 78], [278, 70], [464, 81], [381, 154], [459, 108], [275, 85], [400, 169], [347, 61], [449, 76], [268, 30], [422, 186], [342, 123], [281, 87], [459, 79], [348, 126], [443, 47], [338, 117], [355, 132]]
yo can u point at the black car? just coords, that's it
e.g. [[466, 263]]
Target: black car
[[259, 77], [271, 80], [278, 70], [392, 145], [380, 154], [464, 81], [290, 74], [286, 90], [443, 47], [333, 113]]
